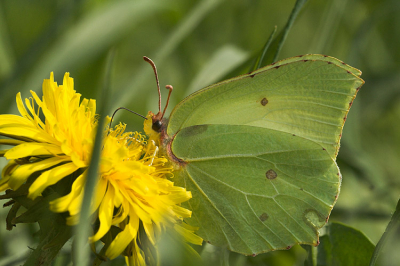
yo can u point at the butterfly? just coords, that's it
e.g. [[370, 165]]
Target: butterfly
[[258, 152]]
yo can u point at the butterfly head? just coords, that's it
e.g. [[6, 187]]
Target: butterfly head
[[154, 125], [156, 121]]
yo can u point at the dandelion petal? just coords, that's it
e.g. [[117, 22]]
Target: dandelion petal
[[21, 174], [32, 149], [123, 239], [50, 177], [105, 214]]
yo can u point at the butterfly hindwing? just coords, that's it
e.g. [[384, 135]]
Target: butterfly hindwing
[[256, 189]]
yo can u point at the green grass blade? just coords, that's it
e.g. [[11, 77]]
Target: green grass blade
[[259, 62], [83, 228], [312, 252], [271, 55], [295, 12], [391, 229]]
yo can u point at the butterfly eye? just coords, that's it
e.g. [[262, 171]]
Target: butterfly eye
[[157, 125]]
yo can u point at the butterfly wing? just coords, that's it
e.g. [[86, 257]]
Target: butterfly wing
[[258, 152], [303, 96], [255, 189]]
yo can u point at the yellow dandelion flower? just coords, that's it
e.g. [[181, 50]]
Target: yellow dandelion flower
[[132, 191], [133, 195], [57, 147]]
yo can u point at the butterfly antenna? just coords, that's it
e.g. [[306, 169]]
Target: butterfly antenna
[[120, 108], [158, 83], [170, 88]]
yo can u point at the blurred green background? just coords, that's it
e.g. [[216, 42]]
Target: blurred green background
[[197, 43]]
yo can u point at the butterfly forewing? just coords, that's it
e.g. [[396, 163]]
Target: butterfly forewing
[[309, 98]]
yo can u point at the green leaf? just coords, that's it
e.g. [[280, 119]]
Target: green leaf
[[53, 231], [343, 246], [53, 234], [389, 241]]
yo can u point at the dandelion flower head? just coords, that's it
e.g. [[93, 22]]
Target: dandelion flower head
[[133, 194]]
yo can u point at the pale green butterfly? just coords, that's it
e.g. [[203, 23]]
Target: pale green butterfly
[[258, 152]]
